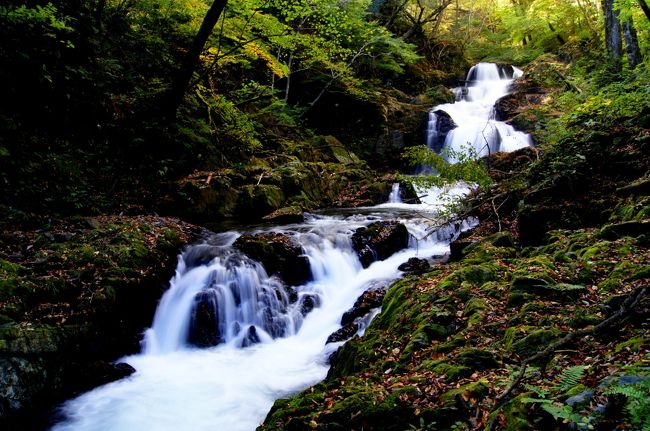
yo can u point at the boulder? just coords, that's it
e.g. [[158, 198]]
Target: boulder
[[292, 214], [251, 337], [415, 266], [444, 124], [204, 325], [279, 255], [346, 332], [379, 240], [371, 298]]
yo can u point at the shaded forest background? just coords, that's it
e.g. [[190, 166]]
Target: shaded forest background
[[89, 122]]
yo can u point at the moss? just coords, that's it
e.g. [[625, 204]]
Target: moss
[[474, 310], [452, 372], [477, 359], [634, 344], [478, 274], [534, 342], [476, 390]]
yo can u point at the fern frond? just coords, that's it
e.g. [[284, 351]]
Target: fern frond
[[541, 392], [559, 411], [629, 391], [531, 400], [569, 378]]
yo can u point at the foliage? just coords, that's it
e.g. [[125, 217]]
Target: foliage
[[465, 166]]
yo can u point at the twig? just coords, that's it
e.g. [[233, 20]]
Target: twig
[[496, 213]]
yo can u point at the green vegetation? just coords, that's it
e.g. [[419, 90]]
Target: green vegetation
[[266, 108]]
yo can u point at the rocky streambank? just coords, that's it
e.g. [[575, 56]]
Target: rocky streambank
[[540, 319], [75, 295]]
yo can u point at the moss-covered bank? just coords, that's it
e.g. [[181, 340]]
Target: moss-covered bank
[[75, 295]]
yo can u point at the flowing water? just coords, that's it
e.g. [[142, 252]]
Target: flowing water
[[477, 129], [270, 347]]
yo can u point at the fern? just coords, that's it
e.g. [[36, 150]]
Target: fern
[[569, 378], [637, 402]]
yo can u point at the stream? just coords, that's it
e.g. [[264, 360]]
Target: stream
[[269, 346]]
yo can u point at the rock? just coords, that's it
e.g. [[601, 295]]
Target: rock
[[579, 399], [286, 215], [346, 332], [204, 325], [371, 298], [251, 337], [415, 266], [478, 359], [444, 124], [255, 201], [641, 187], [308, 303], [278, 254], [340, 152], [456, 249], [379, 240], [628, 228]]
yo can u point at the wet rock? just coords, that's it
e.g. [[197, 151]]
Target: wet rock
[[457, 248], [379, 240], [286, 215], [370, 299], [308, 303], [278, 254], [415, 266], [346, 332], [251, 337], [204, 325], [444, 124]]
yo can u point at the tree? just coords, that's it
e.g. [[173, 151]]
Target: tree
[[191, 60], [634, 56], [613, 41]]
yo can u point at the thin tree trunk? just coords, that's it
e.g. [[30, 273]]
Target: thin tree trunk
[[634, 56], [613, 41], [191, 60], [645, 8], [286, 88]]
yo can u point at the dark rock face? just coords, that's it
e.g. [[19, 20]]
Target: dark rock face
[[379, 240], [343, 334], [204, 329], [444, 124], [370, 299], [278, 254], [415, 266], [251, 337]]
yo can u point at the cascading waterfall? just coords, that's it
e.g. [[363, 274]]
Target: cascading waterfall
[[394, 197], [474, 127], [269, 345]]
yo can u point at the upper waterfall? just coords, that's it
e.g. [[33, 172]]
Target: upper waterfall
[[473, 125]]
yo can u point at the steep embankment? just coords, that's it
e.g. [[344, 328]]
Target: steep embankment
[[542, 321], [74, 296]]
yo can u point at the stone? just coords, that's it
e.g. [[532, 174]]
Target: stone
[[444, 124], [279, 255], [284, 215], [251, 337], [344, 333], [415, 266], [379, 240], [371, 298], [628, 228], [204, 324]]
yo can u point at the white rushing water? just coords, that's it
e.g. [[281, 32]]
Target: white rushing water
[[473, 113], [178, 386]]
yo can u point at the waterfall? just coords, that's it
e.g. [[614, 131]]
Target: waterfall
[[394, 197], [472, 113], [228, 338]]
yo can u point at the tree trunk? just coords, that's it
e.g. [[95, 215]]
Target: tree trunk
[[613, 41], [646, 9], [634, 56], [190, 62]]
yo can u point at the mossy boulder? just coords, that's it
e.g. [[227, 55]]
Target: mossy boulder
[[279, 255]]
